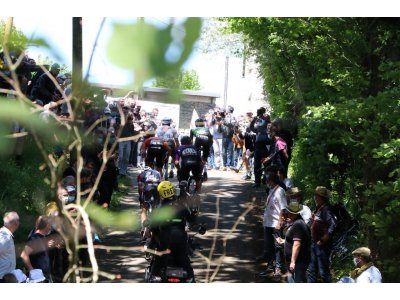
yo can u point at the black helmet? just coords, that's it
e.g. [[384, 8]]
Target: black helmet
[[186, 140], [199, 122], [166, 121]]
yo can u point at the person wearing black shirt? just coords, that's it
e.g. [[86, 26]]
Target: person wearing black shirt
[[297, 244]]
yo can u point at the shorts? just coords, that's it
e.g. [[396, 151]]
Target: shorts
[[205, 143], [155, 153], [196, 169]]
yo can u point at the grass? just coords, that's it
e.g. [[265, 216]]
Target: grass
[[124, 184]]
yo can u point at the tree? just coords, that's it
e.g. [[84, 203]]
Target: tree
[[145, 56], [17, 41], [337, 79], [185, 80], [47, 61]]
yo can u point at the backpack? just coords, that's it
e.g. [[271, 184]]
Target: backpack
[[346, 229]]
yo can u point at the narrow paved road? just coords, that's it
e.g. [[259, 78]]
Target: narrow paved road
[[231, 254]]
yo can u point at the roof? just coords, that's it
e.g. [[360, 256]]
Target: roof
[[161, 90]]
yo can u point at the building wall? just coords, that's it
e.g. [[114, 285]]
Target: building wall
[[201, 103], [189, 102], [186, 111]]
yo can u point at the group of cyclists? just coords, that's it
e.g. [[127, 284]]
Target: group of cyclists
[[189, 158]]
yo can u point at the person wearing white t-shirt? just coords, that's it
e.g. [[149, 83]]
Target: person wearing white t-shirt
[[7, 247], [365, 272], [273, 217]]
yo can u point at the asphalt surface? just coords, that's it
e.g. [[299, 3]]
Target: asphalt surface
[[232, 213]]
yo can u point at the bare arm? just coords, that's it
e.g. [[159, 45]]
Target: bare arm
[[25, 257], [295, 254]]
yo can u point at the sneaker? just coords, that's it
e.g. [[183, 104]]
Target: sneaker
[[246, 177], [235, 169], [224, 169]]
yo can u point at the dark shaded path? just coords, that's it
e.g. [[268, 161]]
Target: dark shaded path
[[225, 198]]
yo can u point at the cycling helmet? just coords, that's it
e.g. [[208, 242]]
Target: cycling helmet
[[166, 121], [166, 189], [186, 140], [199, 122]]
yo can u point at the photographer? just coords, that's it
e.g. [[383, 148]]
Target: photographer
[[217, 130], [262, 143]]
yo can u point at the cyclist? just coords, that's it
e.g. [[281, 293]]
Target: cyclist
[[188, 159], [169, 135], [203, 140], [171, 234], [154, 148], [147, 181]]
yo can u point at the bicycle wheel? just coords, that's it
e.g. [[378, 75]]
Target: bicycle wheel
[[194, 198], [165, 170]]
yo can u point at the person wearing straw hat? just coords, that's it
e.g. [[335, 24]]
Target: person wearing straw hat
[[295, 194], [297, 244], [323, 225]]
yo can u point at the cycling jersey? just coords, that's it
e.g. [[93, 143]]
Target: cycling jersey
[[190, 160], [156, 149], [203, 139], [150, 179]]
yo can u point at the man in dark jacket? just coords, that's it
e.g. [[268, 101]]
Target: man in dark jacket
[[45, 89], [228, 123], [323, 225], [261, 150]]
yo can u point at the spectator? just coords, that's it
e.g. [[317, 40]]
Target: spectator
[[35, 254], [215, 125], [238, 145], [279, 155], [228, 122], [286, 136], [365, 271], [284, 179], [249, 140], [124, 147], [7, 247], [44, 88], [297, 244], [323, 225], [296, 195], [276, 202], [259, 126]]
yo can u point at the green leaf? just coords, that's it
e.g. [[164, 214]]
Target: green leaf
[[151, 52], [20, 112], [126, 220]]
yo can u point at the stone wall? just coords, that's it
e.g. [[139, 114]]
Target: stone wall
[[186, 110]]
